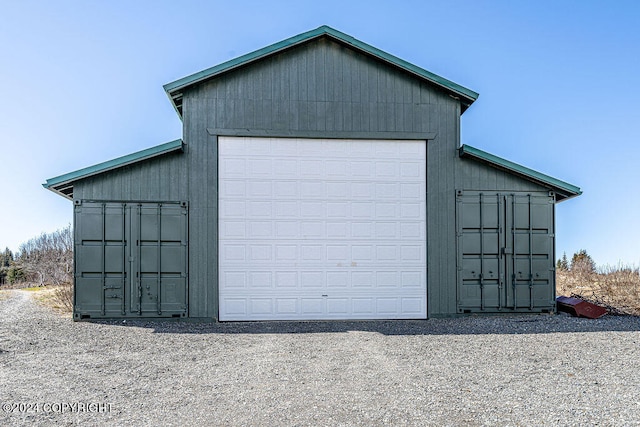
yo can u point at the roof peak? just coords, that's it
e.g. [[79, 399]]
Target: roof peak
[[175, 89]]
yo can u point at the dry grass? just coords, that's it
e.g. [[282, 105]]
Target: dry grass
[[617, 288], [59, 298]]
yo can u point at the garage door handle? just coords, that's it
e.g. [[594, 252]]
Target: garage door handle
[[506, 251]]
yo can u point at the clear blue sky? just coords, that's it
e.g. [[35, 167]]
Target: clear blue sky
[[81, 83]]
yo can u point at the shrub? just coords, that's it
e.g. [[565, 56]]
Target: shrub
[[582, 262], [63, 297], [614, 287]]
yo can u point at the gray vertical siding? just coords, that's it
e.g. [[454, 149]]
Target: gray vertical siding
[[441, 249], [160, 179], [202, 160], [472, 175], [319, 87]]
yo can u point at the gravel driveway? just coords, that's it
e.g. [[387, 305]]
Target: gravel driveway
[[512, 370]]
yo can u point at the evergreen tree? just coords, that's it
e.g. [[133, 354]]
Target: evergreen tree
[[6, 258], [563, 263], [15, 274]]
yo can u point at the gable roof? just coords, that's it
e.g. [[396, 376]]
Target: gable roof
[[563, 190], [63, 184], [175, 89]]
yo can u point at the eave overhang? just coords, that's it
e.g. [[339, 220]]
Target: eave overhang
[[63, 184], [563, 189]]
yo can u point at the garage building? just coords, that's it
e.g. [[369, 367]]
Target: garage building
[[317, 178]]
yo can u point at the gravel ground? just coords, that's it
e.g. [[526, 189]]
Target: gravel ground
[[511, 370]]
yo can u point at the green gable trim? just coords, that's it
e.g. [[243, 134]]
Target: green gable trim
[[63, 184], [174, 89], [564, 189]]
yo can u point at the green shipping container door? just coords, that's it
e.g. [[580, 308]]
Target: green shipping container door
[[505, 251], [130, 259]]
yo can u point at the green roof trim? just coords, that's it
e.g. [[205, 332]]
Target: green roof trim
[[174, 89], [63, 184], [562, 188]]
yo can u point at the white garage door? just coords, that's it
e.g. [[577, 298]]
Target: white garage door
[[321, 229]]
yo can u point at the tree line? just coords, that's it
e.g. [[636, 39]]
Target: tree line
[[581, 261], [43, 260]]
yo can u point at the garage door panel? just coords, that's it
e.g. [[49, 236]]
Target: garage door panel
[[312, 209], [337, 306], [233, 167], [285, 168], [361, 170], [388, 305], [413, 306], [264, 279], [312, 279], [287, 253], [233, 308], [338, 279], [233, 279], [311, 307], [412, 210], [337, 230], [260, 253], [311, 253], [233, 209], [259, 189], [317, 308], [313, 189], [287, 230], [412, 231], [412, 278], [261, 229], [286, 189], [339, 210], [310, 169], [233, 229], [286, 306], [232, 188], [322, 229], [286, 209]]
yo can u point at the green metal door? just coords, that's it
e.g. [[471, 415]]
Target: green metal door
[[505, 251], [101, 234], [130, 259], [159, 261]]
